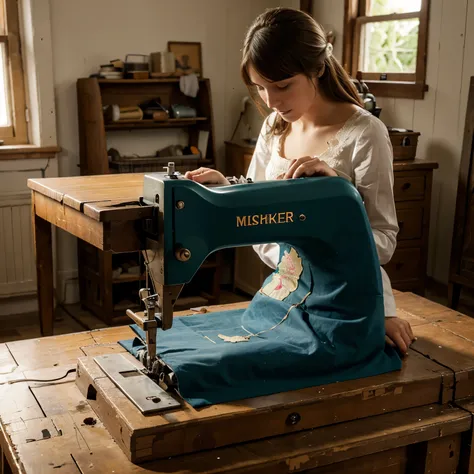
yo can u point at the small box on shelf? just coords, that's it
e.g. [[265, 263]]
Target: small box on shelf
[[404, 143]]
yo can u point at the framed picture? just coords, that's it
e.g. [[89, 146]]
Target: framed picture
[[188, 57]]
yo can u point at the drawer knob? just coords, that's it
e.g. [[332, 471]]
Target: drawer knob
[[406, 186], [293, 419], [401, 224], [398, 265]]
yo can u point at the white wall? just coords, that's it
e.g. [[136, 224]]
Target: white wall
[[88, 33], [17, 263], [330, 14], [440, 116]]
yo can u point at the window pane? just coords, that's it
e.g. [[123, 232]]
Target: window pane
[[389, 46], [386, 7], [4, 96]]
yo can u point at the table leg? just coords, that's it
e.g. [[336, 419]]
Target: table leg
[[5, 467], [454, 293], [44, 273]]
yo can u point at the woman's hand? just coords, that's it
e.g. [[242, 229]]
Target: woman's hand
[[308, 166], [206, 176], [399, 333]]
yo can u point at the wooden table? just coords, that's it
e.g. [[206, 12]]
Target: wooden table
[[416, 420], [101, 210], [51, 427]]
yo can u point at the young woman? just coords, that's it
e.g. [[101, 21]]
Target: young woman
[[317, 128]]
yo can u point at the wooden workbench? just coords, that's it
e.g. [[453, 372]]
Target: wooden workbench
[[416, 420], [101, 210]]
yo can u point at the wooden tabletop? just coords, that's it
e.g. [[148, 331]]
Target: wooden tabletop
[[51, 428], [101, 197], [413, 165]]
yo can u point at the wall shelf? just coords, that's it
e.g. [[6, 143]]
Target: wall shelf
[[162, 80], [148, 124]]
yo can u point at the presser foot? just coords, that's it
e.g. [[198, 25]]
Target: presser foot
[[140, 389]]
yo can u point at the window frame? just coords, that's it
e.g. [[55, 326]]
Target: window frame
[[17, 132], [398, 85]]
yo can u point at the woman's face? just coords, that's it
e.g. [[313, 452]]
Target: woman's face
[[291, 98]]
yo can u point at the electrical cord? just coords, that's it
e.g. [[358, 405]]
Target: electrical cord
[[70, 371]]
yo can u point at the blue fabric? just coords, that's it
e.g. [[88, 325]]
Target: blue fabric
[[337, 334]]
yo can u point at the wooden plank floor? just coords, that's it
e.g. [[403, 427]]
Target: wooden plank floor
[[15, 327]]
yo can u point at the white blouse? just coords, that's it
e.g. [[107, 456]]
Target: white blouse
[[361, 152]]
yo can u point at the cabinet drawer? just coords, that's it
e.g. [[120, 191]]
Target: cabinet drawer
[[410, 222], [409, 187], [467, 266], [405, 265]]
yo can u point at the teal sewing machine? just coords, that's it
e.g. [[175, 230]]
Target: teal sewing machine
[[328, 279]]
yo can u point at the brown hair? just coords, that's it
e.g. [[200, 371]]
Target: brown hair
[[283, 42]]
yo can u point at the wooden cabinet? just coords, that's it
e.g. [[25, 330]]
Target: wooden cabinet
[[238, 156], [412, 191], [462, 250], [105, 290]]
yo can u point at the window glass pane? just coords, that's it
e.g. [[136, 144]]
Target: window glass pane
[[386, 7], [4, 102], [389, 46]]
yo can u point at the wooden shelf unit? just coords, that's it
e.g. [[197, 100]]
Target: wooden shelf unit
[[100, 292]]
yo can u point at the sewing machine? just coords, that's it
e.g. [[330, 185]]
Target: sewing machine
[[315, 215]]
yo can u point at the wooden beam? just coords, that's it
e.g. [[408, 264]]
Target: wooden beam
[[16, 74], [350, 15], [391, 17], [307, 6]]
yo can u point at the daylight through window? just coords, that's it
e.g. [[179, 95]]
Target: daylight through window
[[385, 45]]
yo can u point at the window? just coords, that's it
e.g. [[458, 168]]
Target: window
[[13, 129], [385, 44]]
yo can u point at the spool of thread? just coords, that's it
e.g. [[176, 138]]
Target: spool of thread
[[160, 116]]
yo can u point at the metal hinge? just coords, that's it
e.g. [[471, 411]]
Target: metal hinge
[[27, 114]]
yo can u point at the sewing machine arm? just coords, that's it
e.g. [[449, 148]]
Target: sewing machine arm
[[193, 221]]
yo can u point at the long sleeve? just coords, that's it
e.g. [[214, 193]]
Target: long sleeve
[[373, 170], [268, 253]]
